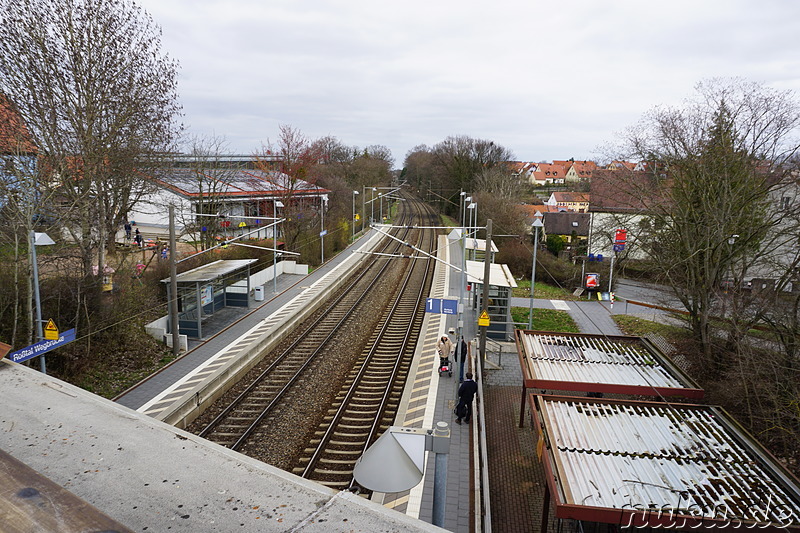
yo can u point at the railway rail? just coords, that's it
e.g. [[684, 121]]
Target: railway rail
[[313, 406]]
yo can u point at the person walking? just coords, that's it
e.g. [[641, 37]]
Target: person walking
[[127, 231], [138, 238], [466, 393], [444, 346]]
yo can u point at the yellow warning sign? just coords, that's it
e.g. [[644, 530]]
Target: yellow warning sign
[[51, 331], [483, 320]]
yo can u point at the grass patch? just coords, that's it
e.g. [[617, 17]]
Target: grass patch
[[543, 291], [450, 222], [545, 320], [639, 327], [110, 382]]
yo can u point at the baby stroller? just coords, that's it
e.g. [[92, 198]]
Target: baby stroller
[[445, 365]]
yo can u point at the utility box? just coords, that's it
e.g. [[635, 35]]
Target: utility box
[[259, 293]]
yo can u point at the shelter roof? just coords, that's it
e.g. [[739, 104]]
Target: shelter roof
[[499, 274], [479, 244], [659, 465], [212, 271], [599, 363]]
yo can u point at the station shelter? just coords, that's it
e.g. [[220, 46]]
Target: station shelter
[[475, 249], [205, 290], [628, 463], [501, 281]]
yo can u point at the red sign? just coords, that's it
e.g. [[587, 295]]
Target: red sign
[[620, 236], [592, 281]]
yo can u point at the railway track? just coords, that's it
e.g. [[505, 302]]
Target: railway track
[[368, 402], [282, 415]]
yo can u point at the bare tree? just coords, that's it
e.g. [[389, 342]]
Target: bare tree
[[453, 165], [291, 163], [99, 99], [23, 197], [499, 181], [210, 175], [721, 161]]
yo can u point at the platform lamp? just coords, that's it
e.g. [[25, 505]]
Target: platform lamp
[[38, 239], [353, 220], [322, 232], [473, 207], [537, 223], [275, 205], [372, 202]]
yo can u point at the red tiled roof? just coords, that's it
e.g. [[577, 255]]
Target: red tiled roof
[[620, 165], [626, 190], [552, 170], [14, 136], [570, 197]]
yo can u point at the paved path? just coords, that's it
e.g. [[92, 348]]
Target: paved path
[[591, 316]]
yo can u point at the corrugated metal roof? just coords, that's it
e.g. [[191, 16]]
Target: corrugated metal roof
[[499, 274], [212, 271], [686, 460], [594, 359], [478, 244]]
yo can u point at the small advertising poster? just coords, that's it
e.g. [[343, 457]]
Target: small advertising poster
[[592, 281], [206, 295]]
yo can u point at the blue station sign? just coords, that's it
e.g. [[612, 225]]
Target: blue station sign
[[441, 306], [42, 347]]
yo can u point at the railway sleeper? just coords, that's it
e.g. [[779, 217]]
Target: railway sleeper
[[326, 472], [339, 442], [351, 452], [354, 423]]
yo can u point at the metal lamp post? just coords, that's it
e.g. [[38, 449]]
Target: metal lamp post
[[372, 205], [473, 207], [38, 239], [275, 205], [380, 197], [537, 223], [353, 220], [322, 228], [731, 242]]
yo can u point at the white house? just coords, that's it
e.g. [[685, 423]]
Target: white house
[[247, 198]]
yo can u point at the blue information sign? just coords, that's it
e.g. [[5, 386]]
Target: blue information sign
[[450, 307], [41, 347], [440, 306]]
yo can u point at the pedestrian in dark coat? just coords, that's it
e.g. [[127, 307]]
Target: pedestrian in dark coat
[[466, 393], [461, 357], [127, 231]]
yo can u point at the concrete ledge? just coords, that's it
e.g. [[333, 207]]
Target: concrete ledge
[[148, 475]]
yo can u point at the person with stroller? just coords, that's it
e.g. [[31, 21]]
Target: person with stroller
[[466, 393], [444, 347]]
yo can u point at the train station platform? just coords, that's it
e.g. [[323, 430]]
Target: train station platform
[[149, 475], [169, 394]]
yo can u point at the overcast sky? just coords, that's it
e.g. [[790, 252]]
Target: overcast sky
[[547, 79]]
